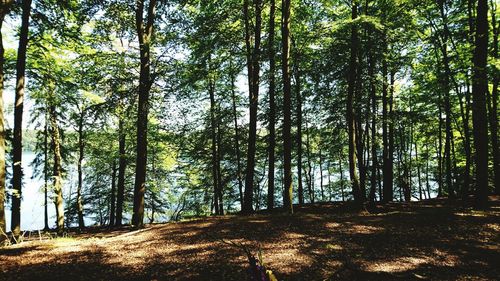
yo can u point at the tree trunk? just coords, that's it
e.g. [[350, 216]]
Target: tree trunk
[[447, 103], [46, 172], [57, 168], [341, 178], [373, 94], [418, 173], [388, 191], [213, 133], [144, 33], [310, 183], [480, 90], [122, 165], [465, 112], [253, 57], [298, 140], [220, 187], [112, 208], [17, 148], [321, 175], [493, 105], [272, 107], [237, 141], [287, 124], [427, 181], [350, 116], [4, 10], [81, 146], [391, 129]]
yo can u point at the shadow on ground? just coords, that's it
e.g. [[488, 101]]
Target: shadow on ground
[[430, 240]]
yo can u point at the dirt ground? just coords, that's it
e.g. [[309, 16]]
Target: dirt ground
[[429, 240]]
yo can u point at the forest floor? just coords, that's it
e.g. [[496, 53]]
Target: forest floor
[[428, 240]]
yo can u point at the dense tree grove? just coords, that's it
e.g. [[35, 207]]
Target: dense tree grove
[[150, 110]]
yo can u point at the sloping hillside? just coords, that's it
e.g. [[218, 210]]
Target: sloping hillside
[[430, 240]]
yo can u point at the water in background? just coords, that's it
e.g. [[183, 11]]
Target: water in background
[[32, 204]]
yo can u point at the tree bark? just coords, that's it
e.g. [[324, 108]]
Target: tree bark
[[81, 147], [287, 139], [447, 103], [213, 133], [46, 172], [5, 6], [122, 165], [253, 58], [237, 141], [388, 191], [17, 148], [272, 107], [309, 175], [341, 178], [493, 105], [350, 115], [298, 140], [373, 95], [321, 174], [220, 186], [479, 118], [57, 168], [144, 34], [112, 208]]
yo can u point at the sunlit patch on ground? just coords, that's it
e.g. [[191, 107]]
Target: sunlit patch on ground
[[363, 229], [397, 265]]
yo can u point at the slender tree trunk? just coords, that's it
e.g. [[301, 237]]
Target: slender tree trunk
[[427, 181], [373, 94], [112, 209], [81, 147], [253, 59], [17, 148], [440, 148], [4, 10], [341, 178], [46, 172], [122, 165], [272, 107], [465, 112], [350, 116], [237, 142], [391, 128], [220, 186], [466, 117], [447, 102], [493, 104], [388, 193], [287, 124], [480, 90], [310, 185], [329, 175], [213, 132], [321, 175], [418, 173], [298, 140], [57, 173], [144, 33]]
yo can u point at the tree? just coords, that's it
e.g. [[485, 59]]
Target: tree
[[5, 6], [350, 115], [18, 121], [253, 70], [287, 124], [144, 33], [480, 90], [272, 107]]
